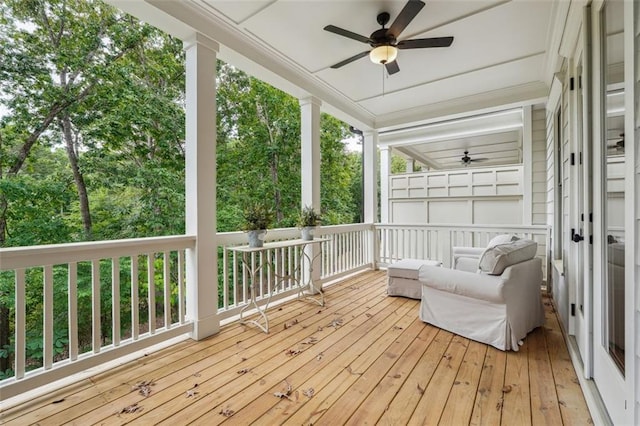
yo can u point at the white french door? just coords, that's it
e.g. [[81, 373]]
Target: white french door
[[583, 234], [609, 210]]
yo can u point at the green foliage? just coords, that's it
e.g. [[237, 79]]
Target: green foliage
[[308, 217], [256, 216]]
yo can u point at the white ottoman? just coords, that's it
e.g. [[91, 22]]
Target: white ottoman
[[402, 277]]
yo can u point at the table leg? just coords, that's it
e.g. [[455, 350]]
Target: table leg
[[304, 286], [253, 272]]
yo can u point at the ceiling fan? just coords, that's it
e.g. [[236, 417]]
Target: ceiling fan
[[618, 145], [385, 42], [466, 160]]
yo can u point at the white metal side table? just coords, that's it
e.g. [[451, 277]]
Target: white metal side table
[[303, 281]]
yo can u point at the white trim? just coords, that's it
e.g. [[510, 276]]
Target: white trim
[[632, 303], [527, 165]]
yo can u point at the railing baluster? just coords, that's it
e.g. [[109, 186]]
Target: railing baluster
[[115, 300], [181, 284], [234, 279], [47, 344], [72, 285], [225, 278], [244, 280], [151, 294], [167, 290], [21, 321], [135, 303], [95, 306]]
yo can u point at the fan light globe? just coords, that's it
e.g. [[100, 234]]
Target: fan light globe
[[383, 54]]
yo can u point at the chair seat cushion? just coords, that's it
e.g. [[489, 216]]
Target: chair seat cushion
[[409, 268], [494, 260]]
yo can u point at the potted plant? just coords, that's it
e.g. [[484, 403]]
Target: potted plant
[[308, 220], [257, 217]]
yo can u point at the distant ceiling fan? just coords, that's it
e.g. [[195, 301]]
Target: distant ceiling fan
[[385, 42], [618, 145], [466, 160]]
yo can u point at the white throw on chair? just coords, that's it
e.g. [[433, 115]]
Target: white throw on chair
[[493, 295]]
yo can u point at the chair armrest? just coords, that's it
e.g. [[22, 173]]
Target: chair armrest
[[469, 284], [467, 258]]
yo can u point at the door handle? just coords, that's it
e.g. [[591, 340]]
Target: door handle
[[577, 238]]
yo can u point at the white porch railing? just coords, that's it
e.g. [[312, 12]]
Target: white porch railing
[[71, 280], [436, 241]]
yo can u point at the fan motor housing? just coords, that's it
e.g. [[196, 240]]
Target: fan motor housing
[[382, 38]]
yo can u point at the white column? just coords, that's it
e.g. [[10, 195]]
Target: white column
[[370, 172], [200, 191], [527, 165], [310, 169], [370, 189], [385, 167]]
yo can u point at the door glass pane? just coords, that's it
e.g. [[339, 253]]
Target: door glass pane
[[614, 173]]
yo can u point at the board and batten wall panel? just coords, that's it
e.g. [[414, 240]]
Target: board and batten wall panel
[[487, 196], [539, 167], [409, 212]]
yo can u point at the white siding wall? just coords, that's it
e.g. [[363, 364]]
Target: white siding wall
[[539, 167], [550, 154]]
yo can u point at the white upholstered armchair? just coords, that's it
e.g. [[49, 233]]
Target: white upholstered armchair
[[492, 295]]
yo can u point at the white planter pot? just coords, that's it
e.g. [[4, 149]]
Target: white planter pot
[[256, 237], [307, 232]]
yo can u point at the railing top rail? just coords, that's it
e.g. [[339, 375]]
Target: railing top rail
[[459, 226], [336, 229], [54, 254]]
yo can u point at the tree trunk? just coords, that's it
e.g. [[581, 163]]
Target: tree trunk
[[277, 196], [81, 187]]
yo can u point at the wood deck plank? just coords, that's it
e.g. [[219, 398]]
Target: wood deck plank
[[359, 387], [488, 404], [402, 406], [461, 400], [545, 409], [568, 390], [430, 407], [516, 401], [379, 399], [412, 373]]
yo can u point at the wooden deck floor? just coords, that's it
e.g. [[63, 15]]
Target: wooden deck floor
[[364, 358]]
